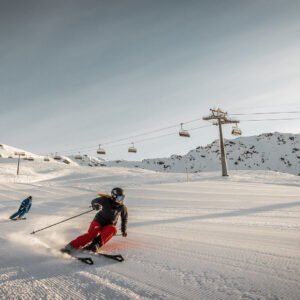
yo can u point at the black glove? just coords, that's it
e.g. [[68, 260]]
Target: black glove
[[124, 233], [96, 206]]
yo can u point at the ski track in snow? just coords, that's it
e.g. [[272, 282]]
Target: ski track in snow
[[206, 239]]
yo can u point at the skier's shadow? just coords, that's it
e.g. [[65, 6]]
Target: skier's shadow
[[235, 213]]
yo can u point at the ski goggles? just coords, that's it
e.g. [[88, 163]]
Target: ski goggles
[[120, 198]]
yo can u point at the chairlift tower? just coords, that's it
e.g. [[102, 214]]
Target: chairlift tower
[[222, 118], [18, 166]]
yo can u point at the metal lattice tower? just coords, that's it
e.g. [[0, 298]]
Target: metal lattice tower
[[222, 118]]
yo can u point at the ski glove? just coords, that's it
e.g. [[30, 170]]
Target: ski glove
[[96, 206], [124, 233]]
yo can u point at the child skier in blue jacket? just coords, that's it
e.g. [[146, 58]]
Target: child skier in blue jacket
[[23, 209]]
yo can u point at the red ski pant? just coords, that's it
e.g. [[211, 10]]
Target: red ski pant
[[106, 233]]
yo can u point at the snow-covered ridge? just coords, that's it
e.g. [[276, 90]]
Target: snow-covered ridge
[[10, 152], [270, 151], [87, 160]]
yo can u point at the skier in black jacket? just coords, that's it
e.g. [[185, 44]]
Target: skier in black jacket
[[103, 227]]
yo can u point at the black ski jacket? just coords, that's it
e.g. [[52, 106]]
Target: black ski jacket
[[110, 211]]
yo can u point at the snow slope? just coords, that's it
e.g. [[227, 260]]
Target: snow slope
[[87, 160], [12, 153], [205, 238]]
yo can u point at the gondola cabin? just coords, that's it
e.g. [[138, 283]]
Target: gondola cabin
[[183, 132], [78, 156], [101, 150], [132, 149], [57, 157], [236, 131]]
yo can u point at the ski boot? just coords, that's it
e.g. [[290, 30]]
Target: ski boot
[[95, 245], [68, 249]]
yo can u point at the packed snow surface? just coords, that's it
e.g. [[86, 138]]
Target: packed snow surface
[[198, 237]]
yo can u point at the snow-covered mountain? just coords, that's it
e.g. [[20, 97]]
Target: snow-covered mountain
[[87, 160], [10, 152], [270, 151]]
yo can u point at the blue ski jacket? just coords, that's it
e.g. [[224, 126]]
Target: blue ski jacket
[[25, 205]]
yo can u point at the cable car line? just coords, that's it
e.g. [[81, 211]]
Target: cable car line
[[129, 137], [285, 119], [269, 113], [143, 140], [156, 137], [149, 132]]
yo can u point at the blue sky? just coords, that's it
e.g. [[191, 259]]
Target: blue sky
[[75, 74]]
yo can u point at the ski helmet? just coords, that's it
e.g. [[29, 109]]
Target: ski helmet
[[117, 192]]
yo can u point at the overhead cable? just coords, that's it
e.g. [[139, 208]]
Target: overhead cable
[[267, 113]]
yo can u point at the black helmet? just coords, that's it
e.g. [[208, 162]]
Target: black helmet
[[30, 197], [116, 192]]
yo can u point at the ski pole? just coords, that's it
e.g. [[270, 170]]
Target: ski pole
[[33, 232]]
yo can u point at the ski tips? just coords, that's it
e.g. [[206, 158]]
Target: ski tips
[[117, 257], [86, 260]]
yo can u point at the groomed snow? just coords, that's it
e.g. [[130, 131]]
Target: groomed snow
[[208, 238]]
